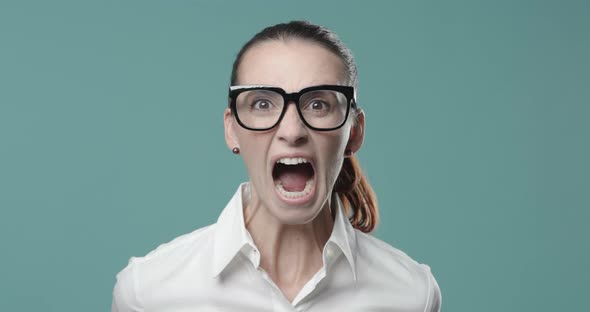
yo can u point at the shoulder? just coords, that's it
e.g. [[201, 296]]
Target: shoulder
[[378, 252], [195, 241], [392, 268], [159, 264]]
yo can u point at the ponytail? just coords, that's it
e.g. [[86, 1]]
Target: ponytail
[[356, 193]]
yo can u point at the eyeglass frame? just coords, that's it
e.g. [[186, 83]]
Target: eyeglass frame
[[348, 91]]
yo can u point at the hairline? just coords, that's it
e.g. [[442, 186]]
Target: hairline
[[346, 70]]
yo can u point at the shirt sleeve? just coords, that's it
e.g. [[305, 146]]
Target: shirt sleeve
[[434, 299], [125, 291]]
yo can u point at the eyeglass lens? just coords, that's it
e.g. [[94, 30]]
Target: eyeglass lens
[[322, 109]]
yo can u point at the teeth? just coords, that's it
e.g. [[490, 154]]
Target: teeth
[[292, 161], [306, 190]]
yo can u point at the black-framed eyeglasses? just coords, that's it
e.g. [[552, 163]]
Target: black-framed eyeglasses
[[321, 108]]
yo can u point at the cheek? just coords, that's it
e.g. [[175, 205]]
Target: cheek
[[249, 141], [334, 151], [251, 147], [336, 142], [254, 150]]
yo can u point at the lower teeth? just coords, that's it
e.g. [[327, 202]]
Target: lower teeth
[[306, 190]]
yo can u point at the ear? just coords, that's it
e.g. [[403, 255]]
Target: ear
[[357, 133], [230, 136]]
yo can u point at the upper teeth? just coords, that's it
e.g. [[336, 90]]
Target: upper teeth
[[292, 161]]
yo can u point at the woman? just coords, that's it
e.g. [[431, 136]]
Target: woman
[[294, 237]]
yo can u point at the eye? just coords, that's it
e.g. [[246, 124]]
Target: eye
[[318, 105], [261, 104]]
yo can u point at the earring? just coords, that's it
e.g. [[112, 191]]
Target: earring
[[347, 153], [235, 150]]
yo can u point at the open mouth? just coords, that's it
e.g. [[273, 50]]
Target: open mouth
[[293, 177]]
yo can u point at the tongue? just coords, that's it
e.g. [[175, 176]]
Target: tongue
[[293, 181], [293, 178]]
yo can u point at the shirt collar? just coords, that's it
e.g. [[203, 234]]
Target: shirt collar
[[343, 234], [230, 232], [231, 235]]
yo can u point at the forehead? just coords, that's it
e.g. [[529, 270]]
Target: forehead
[[291, 64]]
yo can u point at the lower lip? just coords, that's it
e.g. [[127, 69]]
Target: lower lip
[[297, 200]]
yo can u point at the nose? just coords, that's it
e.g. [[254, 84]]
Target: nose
[[291, 129]]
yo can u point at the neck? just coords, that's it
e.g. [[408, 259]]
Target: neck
[[290, 254]]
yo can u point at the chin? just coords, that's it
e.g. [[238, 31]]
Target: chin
[[297, 217], [301, 213]]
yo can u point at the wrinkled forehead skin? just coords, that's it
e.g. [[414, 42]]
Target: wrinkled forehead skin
[[291, 64]]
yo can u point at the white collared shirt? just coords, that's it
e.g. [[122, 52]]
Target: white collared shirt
[[217, 268]]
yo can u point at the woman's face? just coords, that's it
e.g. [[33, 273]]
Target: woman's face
[[292, 194]]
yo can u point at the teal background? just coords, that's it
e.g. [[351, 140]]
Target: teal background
[[111, 139]]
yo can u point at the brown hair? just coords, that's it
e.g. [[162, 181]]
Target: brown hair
[[352, 186]]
